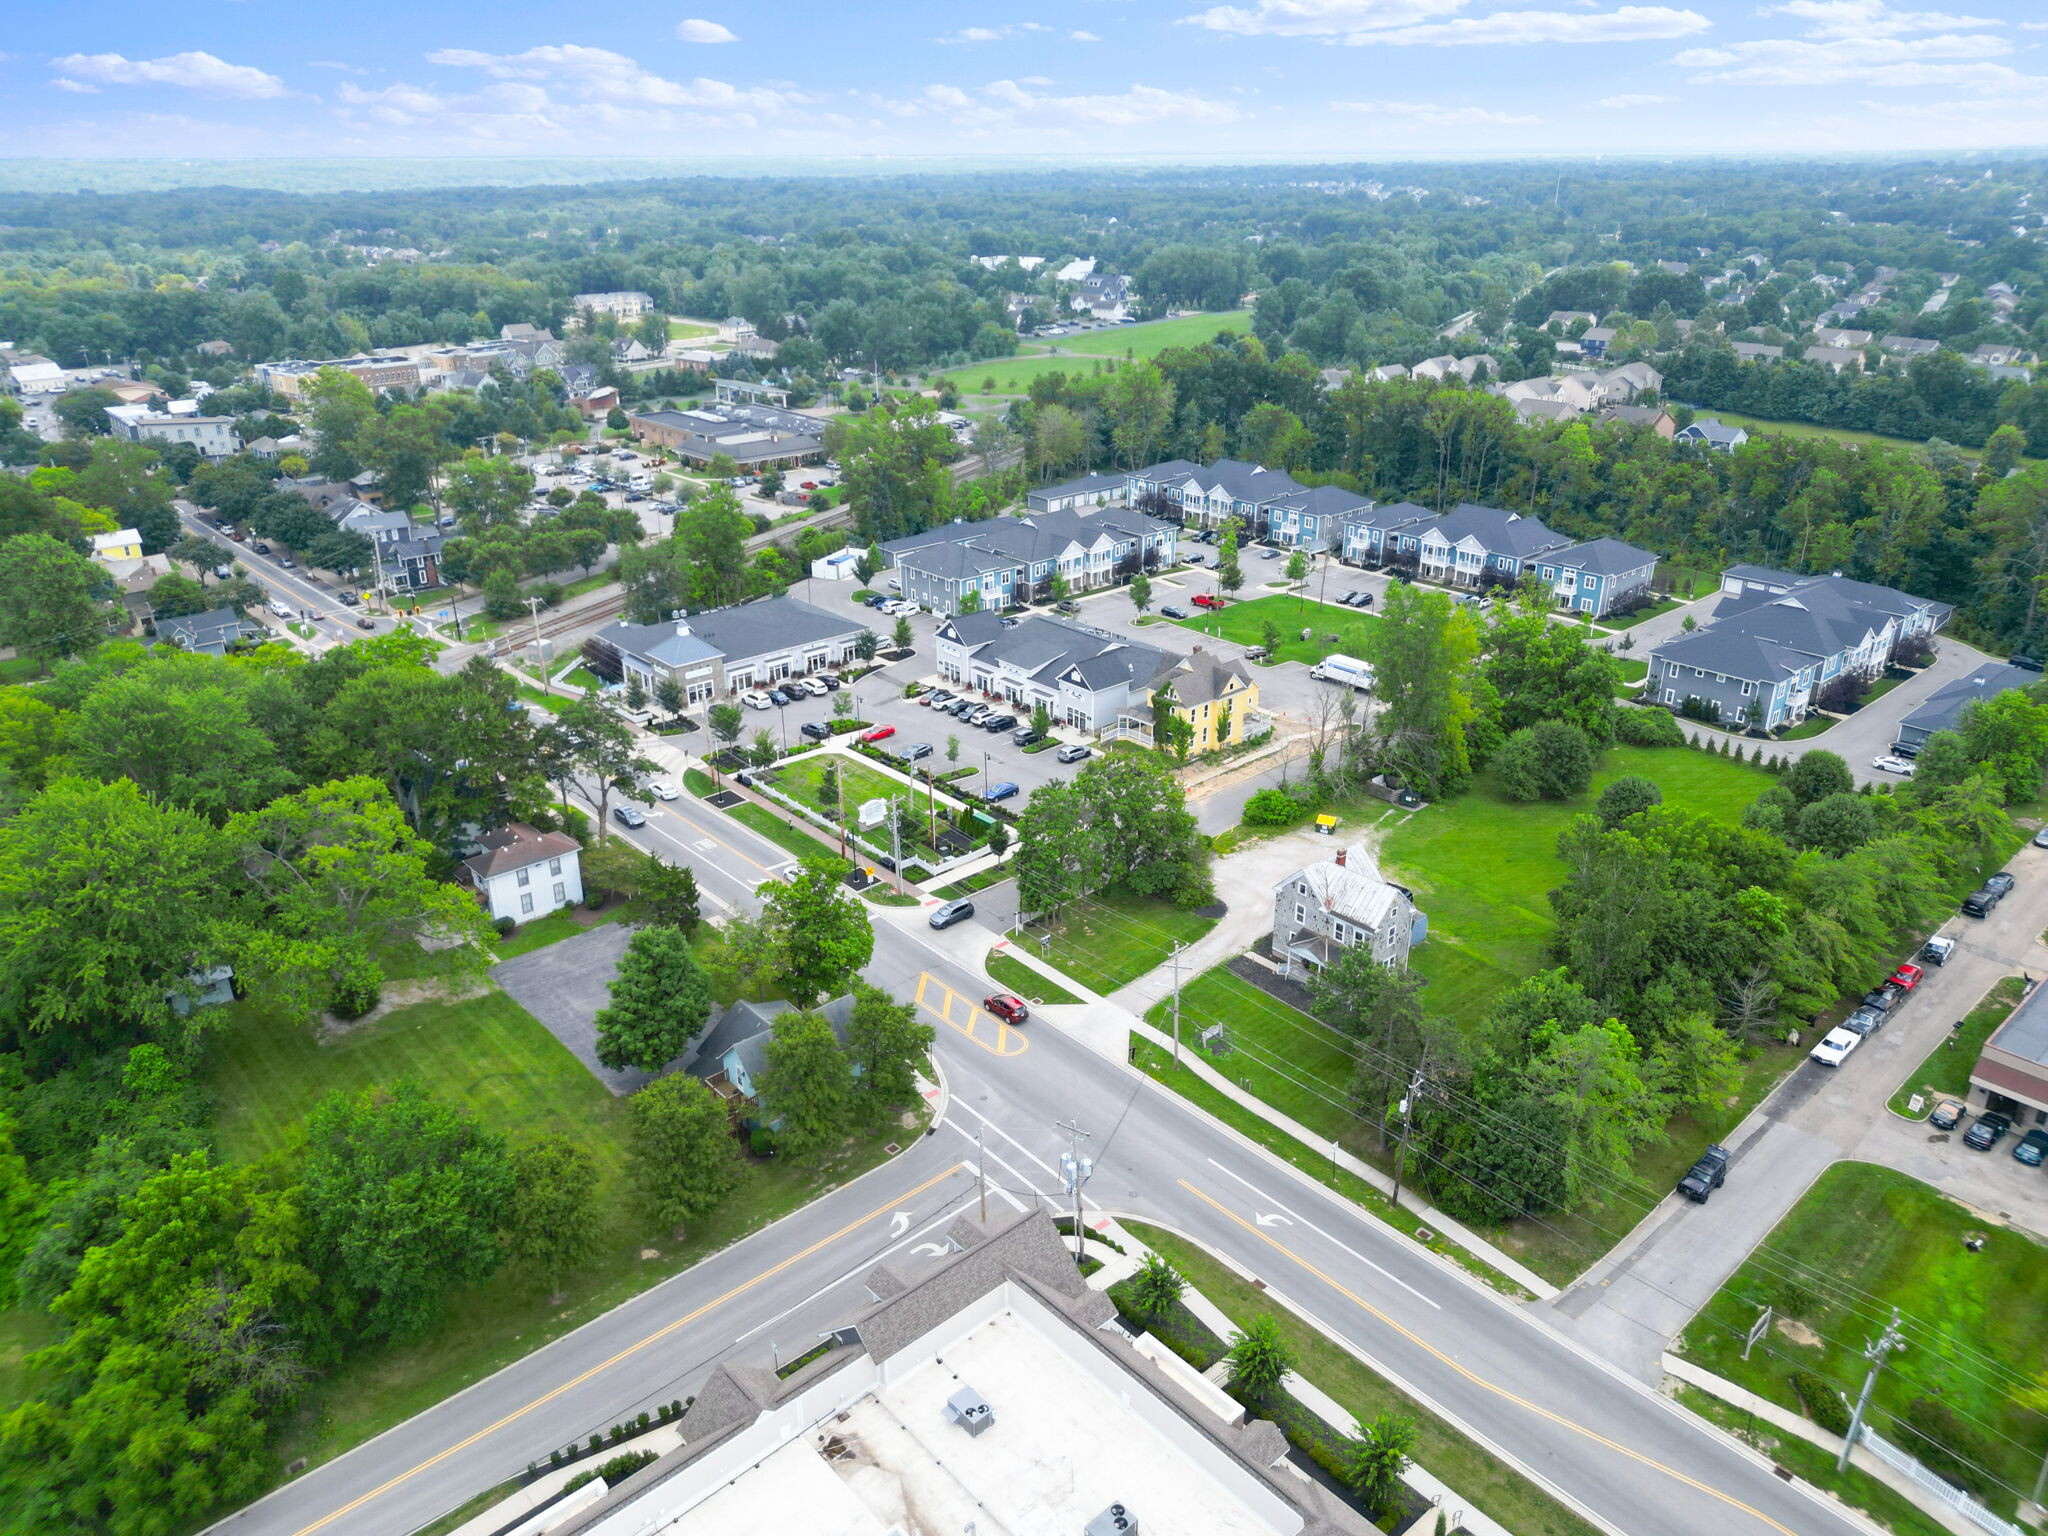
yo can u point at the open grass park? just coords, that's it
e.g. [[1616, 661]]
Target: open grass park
[[1090, 351], [1108, 941], [1331, 629], [1976, 1316]]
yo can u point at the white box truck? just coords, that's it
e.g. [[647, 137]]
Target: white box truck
[[1343, 669]]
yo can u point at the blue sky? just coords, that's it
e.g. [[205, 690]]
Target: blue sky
[[1320, 78]]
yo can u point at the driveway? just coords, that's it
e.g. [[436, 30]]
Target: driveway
[[563, 985], [1630, 1304]]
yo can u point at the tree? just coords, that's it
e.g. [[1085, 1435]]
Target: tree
[[1297, 568], [824, 937], [683, 1159], [552, 1222], [487, 493], [668, 693], [1694, 1066], [887, 1046], [726, 721], [1260, 1357], [601, 747], [1422, 651], [50, 603], [2006, 736], [181, 728], [660, 997], [1548, 761], [1138, 401], [342, 877], [669, 894], [952, 750], [83, 412], [903, 635], [866, 644], [340, 408], [1156, 1286], [107, 900], [1377, 1456], [1590, 1077], [1816, 776], [1229, 572], [1059, 439], [970, 600], [1836, 824], [1171, 730], [404, 1198], [1625, 797], [1141, 591], [808, 1087], [1381, 1008]]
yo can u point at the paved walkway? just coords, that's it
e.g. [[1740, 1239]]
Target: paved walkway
[[1635, 1300]]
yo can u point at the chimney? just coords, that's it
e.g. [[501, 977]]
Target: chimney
[[1341, 852]]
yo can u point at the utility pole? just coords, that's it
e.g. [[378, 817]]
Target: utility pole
[[533, 606], [981, 1174], [1883, 1345], [896, 840], [1177, 947], [1075, 1170], [1401, 1146]]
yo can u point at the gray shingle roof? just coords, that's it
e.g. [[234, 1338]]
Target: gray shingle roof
[[201, 631], [769, 624], [1944, 707], [1604, 557], [1500, 531]]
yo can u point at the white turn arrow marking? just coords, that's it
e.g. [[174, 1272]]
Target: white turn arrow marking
[[936, 1250], [900, 1225], [1274, 1221]]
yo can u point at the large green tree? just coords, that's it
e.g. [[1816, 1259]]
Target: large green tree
[[823, 937], [1422, 651], [888, 1046], [807, 1091], [51, 598], [660, 997], [552, 1221], [684, 1159]]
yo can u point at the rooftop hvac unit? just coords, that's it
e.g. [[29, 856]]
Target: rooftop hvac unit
[[971, 1411], [1116, 1520]]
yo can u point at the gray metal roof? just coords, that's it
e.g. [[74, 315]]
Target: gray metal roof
[[2025, 1033]]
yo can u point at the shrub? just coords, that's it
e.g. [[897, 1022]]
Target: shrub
[[1548, 761], [1823, 1404], [1625, 797], [504, 925], [614, 1472], [1693, 707], [761, 1141], [1272, 808], [1647, 728], [1260, 1357], [1945, 1445], [359, 990]]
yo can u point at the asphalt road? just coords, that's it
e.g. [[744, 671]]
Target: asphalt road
[[296, 587], [1607, 1443]]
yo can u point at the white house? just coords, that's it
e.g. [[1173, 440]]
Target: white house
[[523, 873]]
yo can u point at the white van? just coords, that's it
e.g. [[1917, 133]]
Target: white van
[[641, 482], [1343, 669], [283, 610]]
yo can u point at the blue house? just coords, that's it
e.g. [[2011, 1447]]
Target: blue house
[[1471, 545], [732, 1057], [1315, 519], [1595, 576], [1369, 535]]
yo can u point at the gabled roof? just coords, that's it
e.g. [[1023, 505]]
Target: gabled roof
[[953, 562], [194, 631], [1049, 649], [1352, 890], [518, 846], [1205, 678], [1499, 531], [1945, 706], [1604, 557], [1087, 485], [1707, 430], [673, 645], [769, 624], [1326, 501]]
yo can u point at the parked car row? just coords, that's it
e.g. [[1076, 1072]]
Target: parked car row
[[1869, 1015], [791, 689], [1982, 901]]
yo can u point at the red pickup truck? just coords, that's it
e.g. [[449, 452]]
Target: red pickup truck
[[1208, 600]]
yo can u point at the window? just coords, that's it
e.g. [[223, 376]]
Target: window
[[1670, 695], [1748, 689], [554, 866], [1300, 913], [561, 894], [526, 877], [526, 903]]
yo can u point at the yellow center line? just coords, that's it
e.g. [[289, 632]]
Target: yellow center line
[[628, 1352], [1476, 1379], [715, 811]]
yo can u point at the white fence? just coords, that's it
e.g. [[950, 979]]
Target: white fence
[[1942, 1489]]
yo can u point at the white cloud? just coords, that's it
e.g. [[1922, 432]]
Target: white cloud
[[192, 71], [64, 83], [993, 34], [1861, 60], [1635, 99], [608, 82], [1433, 22], [1869, 18], [1006, 104], [697, 30], [337, 65], [1628, 24], [1430, 112], [1036, 80], [1083, 37]]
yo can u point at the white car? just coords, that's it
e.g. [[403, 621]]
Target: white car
[[1835, 1047], [813, 686], [754, 698], [661, 789], [1903, 766]]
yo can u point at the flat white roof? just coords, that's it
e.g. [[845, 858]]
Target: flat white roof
[[1067, 1442]]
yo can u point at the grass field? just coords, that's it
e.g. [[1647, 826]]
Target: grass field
[[794, 841], [1331, 629], [1758, 426], [1013, 975], [1091, 350], [1946, 1069], [1630, 621], [1482, 865], [491, 1057], [555, 927], [1104, 942], [1518, 1504], [1863, 1240]]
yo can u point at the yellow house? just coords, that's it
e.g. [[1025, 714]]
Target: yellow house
[[1214, 697], [125, 544]]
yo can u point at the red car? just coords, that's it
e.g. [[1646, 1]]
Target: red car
[[1907, 976], [879, 733], [810, 485], [1008, 1008], [1208, 600]]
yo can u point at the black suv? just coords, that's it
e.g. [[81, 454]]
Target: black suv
[[1985, 1134], [1705, 1176], [1988, 895], [995, 725]]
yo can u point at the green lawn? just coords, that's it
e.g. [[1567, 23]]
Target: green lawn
[[1946, 1068], [1478, 1475], [1811, 726], [1013, 975], [554, 928], [1632, 671], [1482, 865], [20, 669], [1758, 426], [1331, 629], [1630, 621], [967, 885], [1863, 1240], [1081, 354], [496, 1060], [792, 840], [1106, 941]]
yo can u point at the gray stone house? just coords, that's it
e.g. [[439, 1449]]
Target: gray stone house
[[1340, 903]]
